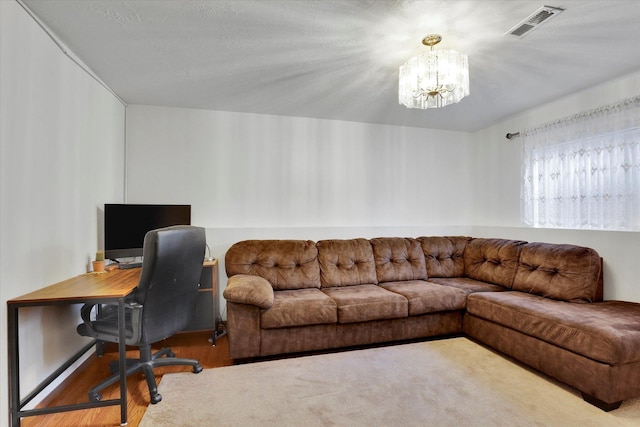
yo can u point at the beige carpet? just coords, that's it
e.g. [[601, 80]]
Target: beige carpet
[[451, 382]]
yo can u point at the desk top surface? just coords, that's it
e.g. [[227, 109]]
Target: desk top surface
[[111, 284], [108, 285]]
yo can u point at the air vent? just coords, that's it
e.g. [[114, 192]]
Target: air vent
[[533, 21]]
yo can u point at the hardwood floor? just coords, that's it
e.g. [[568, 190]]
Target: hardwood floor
[[191, 345]]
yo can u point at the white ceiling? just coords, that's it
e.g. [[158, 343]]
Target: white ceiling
[[339, 59]]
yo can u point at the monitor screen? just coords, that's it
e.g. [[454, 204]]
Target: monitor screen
[[125, 225]]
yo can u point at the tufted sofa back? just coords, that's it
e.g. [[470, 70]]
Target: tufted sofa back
[[492, 260], [562, 272], [346, 263], [398, 259], [286, 264], [444, 256]]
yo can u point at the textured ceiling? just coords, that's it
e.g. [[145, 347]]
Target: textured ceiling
[[339, 59]]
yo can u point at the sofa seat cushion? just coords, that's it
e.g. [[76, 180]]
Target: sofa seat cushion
[[607, 332], [426, 297], [299, 308], [362, 303], [468, 285]]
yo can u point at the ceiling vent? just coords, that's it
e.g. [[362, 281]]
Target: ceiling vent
[[533, 21]]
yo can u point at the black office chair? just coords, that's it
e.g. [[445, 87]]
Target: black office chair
[[162, 304]]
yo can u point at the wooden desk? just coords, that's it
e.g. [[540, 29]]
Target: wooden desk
[[102, 288]]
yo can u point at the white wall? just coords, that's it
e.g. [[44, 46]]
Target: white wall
[[260, 176], [250, 170], [61, 158], [497, 188]]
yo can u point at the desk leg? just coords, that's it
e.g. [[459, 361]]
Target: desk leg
[[14, 366], [122, 348]]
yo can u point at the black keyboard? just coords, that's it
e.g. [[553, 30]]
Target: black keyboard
[[128, 265]]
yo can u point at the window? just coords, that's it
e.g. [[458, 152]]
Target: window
[[584, 171]]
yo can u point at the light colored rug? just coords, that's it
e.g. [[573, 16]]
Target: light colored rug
[[450, 382]]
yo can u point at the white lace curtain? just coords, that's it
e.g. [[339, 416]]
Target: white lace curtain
[[584, 171]]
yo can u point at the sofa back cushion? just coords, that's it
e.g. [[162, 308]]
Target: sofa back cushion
[[286, 264], [562, 272], [492, 260], [346, 263], [444, 256], [398, 259]]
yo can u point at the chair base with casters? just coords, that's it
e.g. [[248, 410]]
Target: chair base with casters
[[147, 362]]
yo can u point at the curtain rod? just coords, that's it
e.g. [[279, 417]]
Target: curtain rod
[[621, 104]]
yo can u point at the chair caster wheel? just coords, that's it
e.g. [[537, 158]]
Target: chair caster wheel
[[171, 354], [156, 398], [197, 369], [94, 396]]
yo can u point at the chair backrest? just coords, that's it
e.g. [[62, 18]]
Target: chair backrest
[[169, 281]]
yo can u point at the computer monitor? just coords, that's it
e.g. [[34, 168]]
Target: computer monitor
[[125, 225]]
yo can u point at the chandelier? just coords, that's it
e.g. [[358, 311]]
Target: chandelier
[[433, 79]]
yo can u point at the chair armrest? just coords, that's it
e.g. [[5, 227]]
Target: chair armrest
[[134, 309], [248, 289], [110, 309], [109, 313], [85, 312]]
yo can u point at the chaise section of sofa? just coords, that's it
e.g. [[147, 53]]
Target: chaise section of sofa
[[550, 321], [594, 347]]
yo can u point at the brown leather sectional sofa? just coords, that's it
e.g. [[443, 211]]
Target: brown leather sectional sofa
[[539, 303]]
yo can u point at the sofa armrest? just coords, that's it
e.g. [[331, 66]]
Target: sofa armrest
[[250, 290]]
